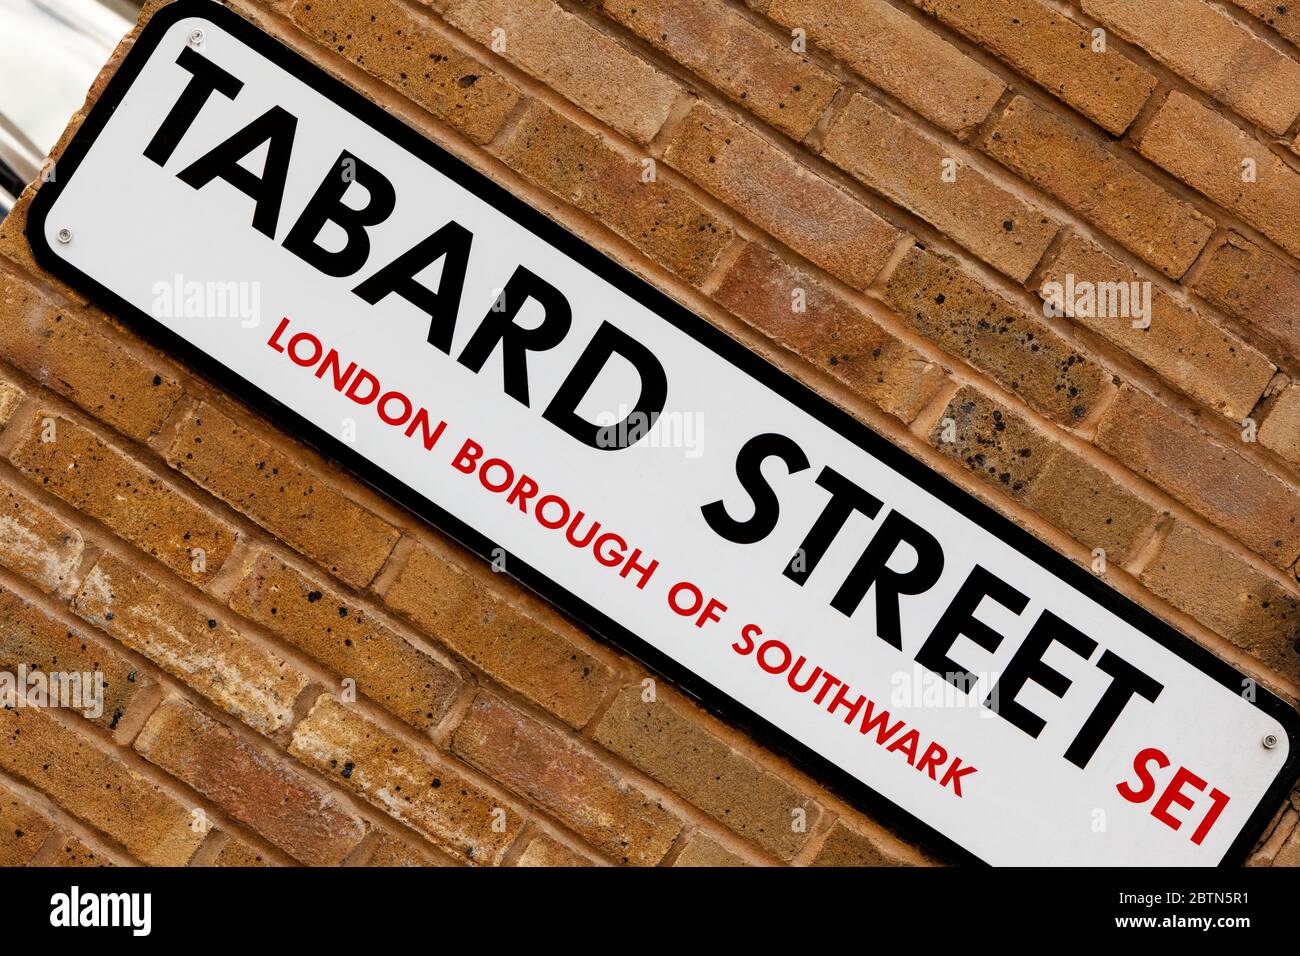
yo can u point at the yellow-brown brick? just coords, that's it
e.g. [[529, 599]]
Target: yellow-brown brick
[[110, 485], [35, 543], [815, 218], [273, 490], [328, 626], [430, 796], [243, 678]]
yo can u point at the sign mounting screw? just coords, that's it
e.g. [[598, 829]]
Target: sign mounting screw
[[65, 235], [196, 37], [1270, 741]]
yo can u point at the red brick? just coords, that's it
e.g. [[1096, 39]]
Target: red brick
[[831, 333], [1255, 287], [96, 787], [899, 55], [744, 62], [30, 636], [1101, 187], [578, 166], [323, 623], [767, 186], [675, 747], [109, 485], [293, 504], [960, 314], [1181, 345], [846, 847], [1211, 478], [65, 353], [35, 543], [401, 49], [574, 59], [264, 793], [1054, 52], [568, 779], [1213, 52], [1206, 151], [1225, 593], [22, 829], [428, 795], [892, 158], [241, 677], [462, 611]]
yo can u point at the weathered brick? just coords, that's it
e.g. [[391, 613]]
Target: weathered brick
[[831, 332], [1206, 151], [995, 443], [1101, 187], [1181, 345], [1211, 478], [1289, 853], [1092, 507], [1059, 485], [1281, 428], [30, 636], [11, 395], [236, 853], [22, 829], [273, 490], [96, 787], [1282, 17], [1056, 53], [903, 165], [75, 852], [807, 213], [1255, 287], [744, 62], [460, 610], [388, 42], [567, 778], [323, 623], [958, 312], [392, 853], [846, 847], [677, 749], [65, 353], [543, 851], [108, 484], [265, 793], [703, 850], [35, 543], [430, 796], [578, 166], [898, 55], [573, 58], [1213, 52], [1223, 592], [241, 677]]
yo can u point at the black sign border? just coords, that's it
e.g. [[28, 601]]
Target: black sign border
[[671, 311]]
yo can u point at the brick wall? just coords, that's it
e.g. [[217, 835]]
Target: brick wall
[[486, 729]]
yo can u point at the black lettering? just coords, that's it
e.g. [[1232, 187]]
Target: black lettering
[[205, 79], [326, 205], [749, 469]]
